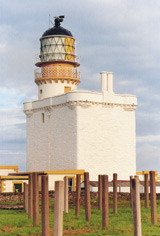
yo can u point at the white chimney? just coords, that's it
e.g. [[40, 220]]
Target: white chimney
[[107, 81]]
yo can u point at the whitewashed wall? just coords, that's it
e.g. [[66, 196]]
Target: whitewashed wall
[[52, 178], [53, 89], [52, 145], [99, 139], [9, 185], [63, 136], [5, 172], [37, 142], [106, 141]]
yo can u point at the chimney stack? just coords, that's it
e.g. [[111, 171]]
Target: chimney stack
[[106, 81]]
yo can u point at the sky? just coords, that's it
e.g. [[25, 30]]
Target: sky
[[119, 36]]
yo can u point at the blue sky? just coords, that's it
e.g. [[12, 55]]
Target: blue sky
[[120, 36]]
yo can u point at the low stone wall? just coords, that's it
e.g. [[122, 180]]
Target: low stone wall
[[18, 197], [11, 197]]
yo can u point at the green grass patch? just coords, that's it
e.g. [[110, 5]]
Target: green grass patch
[[11, 203], [16, 222]]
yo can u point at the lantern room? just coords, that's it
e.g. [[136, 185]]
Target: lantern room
[[57, 71]]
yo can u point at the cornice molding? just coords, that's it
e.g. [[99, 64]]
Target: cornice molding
[[84, 104], [28, 113]]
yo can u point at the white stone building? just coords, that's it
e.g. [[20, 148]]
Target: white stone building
[[9, 182], [71, 129]]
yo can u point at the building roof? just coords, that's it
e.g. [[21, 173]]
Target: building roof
[[57, 31], [2, 177], [54, 172]]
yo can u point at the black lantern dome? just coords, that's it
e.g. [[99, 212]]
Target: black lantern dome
[[57, 29], [57, 44]]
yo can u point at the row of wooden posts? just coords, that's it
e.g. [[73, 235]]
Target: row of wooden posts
[[135, 200], [31, 200]]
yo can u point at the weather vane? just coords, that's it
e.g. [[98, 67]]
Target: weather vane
[[58, 20]]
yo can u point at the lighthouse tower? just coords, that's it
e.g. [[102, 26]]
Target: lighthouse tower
[[70, 129], [58, 71]]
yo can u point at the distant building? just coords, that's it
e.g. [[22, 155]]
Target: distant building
[[71, 129], [11, 183]]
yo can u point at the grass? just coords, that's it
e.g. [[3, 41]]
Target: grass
[[11, 203], [16, 222]]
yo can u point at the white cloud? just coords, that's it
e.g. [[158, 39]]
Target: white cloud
[[148, 139], [148, 157], [12, 127], [2, 47], [12, 116], [14, 159], [89, 80], [7, 152]]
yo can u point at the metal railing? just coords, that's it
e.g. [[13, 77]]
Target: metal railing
[[57, 57], [57, 72]]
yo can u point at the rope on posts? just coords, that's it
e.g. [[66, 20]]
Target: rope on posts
[[105, 202], [100, 192], [87, 196], [58, 208], [35, 199], [66, 194], [45, 206], [78, 192], [30, 197], [146, 184], [136, 207], [114, 193], [25, 197], [153, 198]]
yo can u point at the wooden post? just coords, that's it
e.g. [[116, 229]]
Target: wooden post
[[35, 199], [114, 193], [153, 198], [25, 197], [0, 185], [136, 207], [58, 208], [66, 194], [87, 196], [105, 202], [146, 184], [131, 177], [78, 192], [100, 192], [30, 197], [45, 206]]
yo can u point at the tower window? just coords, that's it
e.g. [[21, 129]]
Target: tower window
[[41, 91], [42, 116], [67, 89]]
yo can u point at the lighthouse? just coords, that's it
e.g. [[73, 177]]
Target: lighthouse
[[70, 129], [57, 71]]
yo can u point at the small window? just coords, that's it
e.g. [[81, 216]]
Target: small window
[[41, 91], [67, 89], [17, 188], [42, 116], [70, 184]]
